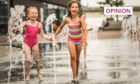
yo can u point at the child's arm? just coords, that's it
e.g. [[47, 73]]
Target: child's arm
[[19, 26], [59, 29], [43, 35], [83, 25]]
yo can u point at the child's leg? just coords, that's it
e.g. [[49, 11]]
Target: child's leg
[[35, 49], [78, 52], [72, 51], [27, 62]]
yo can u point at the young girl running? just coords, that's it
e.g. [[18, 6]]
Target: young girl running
[[77, 35], [31, 28]]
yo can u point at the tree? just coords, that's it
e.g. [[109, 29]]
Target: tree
[[112, 3]]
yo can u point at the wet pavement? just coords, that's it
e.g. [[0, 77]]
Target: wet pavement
[[111, 59]]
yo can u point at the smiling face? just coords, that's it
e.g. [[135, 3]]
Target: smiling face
[[74, 9], [32, 13]]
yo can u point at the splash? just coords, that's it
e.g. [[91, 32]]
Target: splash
[[15, 19]]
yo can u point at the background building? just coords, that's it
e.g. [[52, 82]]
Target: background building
[[45, 8], [4, 15]]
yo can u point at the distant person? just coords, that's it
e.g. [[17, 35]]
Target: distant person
[[31, 28], [105, 23]]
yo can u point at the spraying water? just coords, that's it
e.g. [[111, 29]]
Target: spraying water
[[49, 21], [15, 19]]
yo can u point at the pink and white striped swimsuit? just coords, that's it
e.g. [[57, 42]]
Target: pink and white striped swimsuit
[[75, 34]]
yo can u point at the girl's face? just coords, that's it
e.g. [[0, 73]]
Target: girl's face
[[33, 14], [74, 9]]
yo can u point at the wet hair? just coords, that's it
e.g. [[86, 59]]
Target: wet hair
[[80, 12], [31, 7]]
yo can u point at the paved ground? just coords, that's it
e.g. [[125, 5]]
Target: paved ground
[[110, 60]]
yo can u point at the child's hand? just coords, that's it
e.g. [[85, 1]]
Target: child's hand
[[14, 30], [51, 39], [84, 39], [85, 43], [48, 37]]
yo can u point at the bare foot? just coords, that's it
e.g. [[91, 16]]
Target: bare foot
[[74, 82], [27, 79], [40, 77]]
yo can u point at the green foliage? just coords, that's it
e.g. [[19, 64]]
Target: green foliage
[[112, 2]]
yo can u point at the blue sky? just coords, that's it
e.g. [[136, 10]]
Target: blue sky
[[93, 3]]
